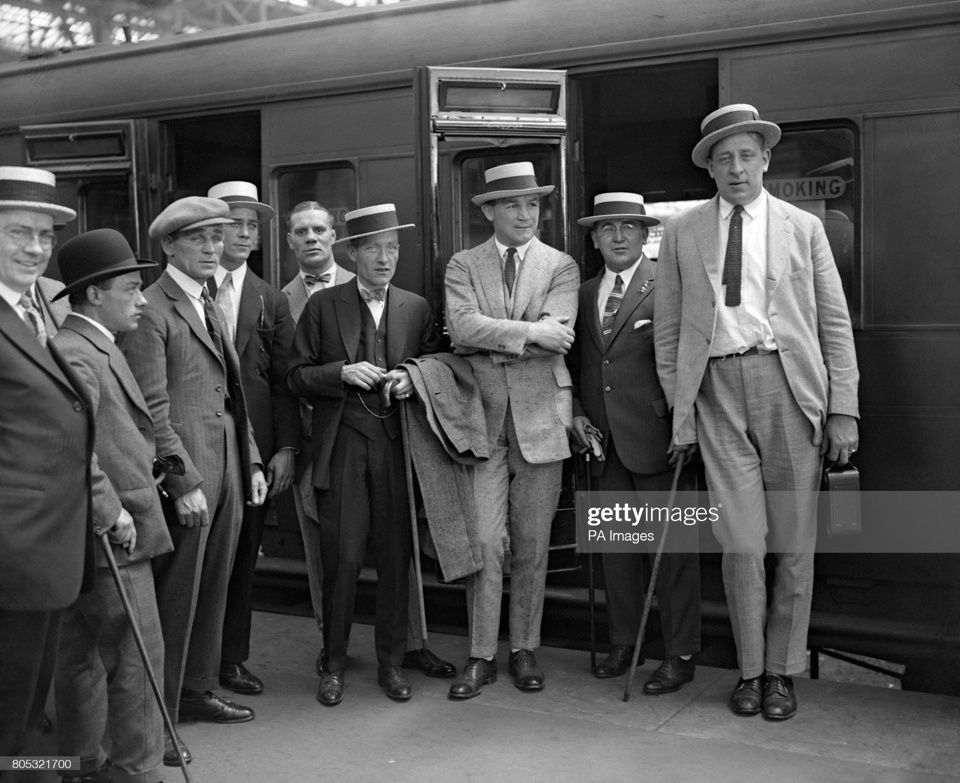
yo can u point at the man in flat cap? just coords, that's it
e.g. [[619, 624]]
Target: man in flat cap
[[511, 304], [46, 442], [187, 367], [755, 353], [349, 338], [101, 684], [258, 320], [619, 405]]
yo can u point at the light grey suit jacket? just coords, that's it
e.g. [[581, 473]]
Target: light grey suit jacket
[[296, 291], [806, 307], [492, 340]]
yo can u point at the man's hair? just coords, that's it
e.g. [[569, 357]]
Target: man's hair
[[78, 297], [307, 206], [757, 137]]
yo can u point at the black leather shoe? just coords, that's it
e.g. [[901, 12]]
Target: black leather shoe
[[209, 706], [428, 663], [170, 752], [394, 683], [672, 673], [527, 676], [617, 662], [477, 673], [99, 775], [236, 677], [330, 692], [779, 700], [321, 663], [747, 696]]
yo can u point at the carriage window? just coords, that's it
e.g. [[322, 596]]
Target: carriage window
[[333, 186]]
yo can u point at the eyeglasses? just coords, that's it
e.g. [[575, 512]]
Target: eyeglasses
[[240, 225], [627, 228], [23, 236]]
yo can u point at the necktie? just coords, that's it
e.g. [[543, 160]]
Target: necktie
[[34, 317], [214, 326], [733, 258], [372, 294], [226, 297], [510, 269], [212, 286], [611, 307], [311, 280]]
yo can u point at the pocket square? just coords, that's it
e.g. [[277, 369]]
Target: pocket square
[[642, 322]]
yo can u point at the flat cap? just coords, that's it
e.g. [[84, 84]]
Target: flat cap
[[190, 212]]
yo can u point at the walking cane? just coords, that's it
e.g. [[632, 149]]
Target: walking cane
[[112, 562], [648, 598], [591, 595]]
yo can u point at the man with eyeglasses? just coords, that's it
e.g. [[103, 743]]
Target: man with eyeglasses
[[619, 413], [189, 373], [258, 319]]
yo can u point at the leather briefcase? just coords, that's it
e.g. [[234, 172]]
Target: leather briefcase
[[842, 487]]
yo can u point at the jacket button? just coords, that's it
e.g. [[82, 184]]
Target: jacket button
[[607, 388], [77, 406], [606, 361], [219, 412], [219, 387]]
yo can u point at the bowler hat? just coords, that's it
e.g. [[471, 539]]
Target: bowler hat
[[96, 255], [371, 220], [241, 194], [190, 212], [511, 179], [619, 206], [34, 190], [728, 121]]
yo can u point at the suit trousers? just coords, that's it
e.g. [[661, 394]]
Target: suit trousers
[[516, 501], [192, 581], [367, 498], [755, 440], [237, 614], [101, 684], [627, 575]]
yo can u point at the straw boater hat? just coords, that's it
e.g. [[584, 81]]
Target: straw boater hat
[[190, 212], [241, 194], [729, 120], [371, 220], [618, 206], [511, 179], [96, 255], [34, 190]]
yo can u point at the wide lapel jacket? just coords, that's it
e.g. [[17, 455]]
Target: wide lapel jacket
[[296, 290]]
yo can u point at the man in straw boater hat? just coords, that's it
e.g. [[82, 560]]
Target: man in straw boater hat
[[188, 370], [101, 685], [617, 399], [347, 339], [755, 353], [511, 304], [258, 320], [46, 442]]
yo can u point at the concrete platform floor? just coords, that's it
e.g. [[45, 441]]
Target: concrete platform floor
[[577, 729]]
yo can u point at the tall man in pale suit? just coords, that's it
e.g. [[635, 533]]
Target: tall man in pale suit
[[618, 401], [755, 354], [511, 304], [189, 373]]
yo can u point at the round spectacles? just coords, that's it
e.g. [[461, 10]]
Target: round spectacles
[[23, 236], [627, 228]]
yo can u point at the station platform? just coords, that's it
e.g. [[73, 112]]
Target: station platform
[[576, 729]]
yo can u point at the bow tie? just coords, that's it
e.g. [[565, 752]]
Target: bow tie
[[369, 296], [312, 280]]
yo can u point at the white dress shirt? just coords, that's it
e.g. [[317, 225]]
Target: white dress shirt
[[191, 288], [237, 276], [374, 306], [610, 280], [521, 252]]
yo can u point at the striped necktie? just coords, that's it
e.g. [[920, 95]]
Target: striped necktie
[[34, 317], [732, 259], [226, 298], [611, 307]]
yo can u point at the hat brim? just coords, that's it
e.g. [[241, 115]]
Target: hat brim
[[264, 210], [647, 220], [61, 215], [378, 231], [493, 195], [215, 221], [769, 131], [105, 274]]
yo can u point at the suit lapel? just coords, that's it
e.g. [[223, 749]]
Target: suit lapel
[[779, 236], [185, 309], [491, 278], [631, 300], [397, 316], [23, 339], [708, 243], [527, 279], [591, 311], [348, 319], [250, 313]]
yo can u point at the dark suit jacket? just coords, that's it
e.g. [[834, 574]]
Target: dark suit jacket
[[46, 443], [634, 409], [328, 337], [124, 440]]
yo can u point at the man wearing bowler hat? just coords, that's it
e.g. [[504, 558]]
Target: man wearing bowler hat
[[511, 304], [347, 340], [188, 370], [101, 684], [618, 403], [756, 357], [258, 320]]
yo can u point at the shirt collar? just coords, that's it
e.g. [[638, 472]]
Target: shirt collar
[[10, 296], [626, 275], [237, 275], [362, 287], [190, 286], [752, 209], [97, 324], [521, 249]]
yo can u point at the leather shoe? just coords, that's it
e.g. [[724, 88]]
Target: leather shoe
[[428, 663], [747, 696], [477, 673], [672, 672], [99, 775], [779, 701], [330, 692], [394, 683], [236, 677], [527, 676], [321, 663], [170, 752], [617, 662], [209, 706]]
